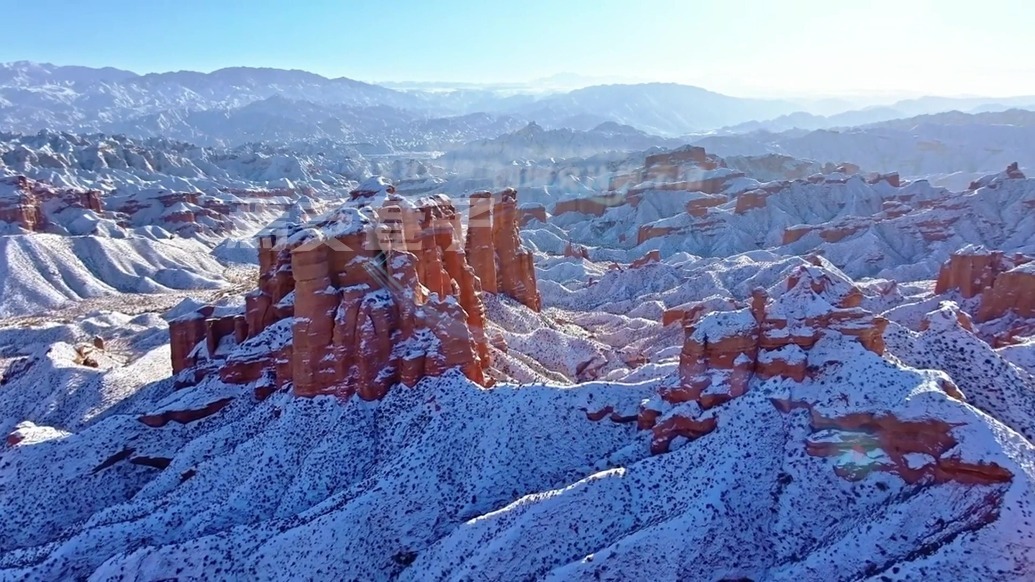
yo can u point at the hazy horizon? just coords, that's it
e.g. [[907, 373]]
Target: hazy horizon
[[743, 48]]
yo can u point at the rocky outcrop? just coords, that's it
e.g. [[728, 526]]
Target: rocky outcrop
[[596, 205], [494, 245], [184, 416], [812, 334], [1003, 284], [1012, 172], [532, 212], [576, 251], [380, 292], [1012, 292], [686, 169], [26, 203], [915, 450], [729, 344], [769, 337]]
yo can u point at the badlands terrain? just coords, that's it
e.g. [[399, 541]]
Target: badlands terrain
[[259, 324]]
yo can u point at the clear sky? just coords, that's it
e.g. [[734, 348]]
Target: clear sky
[[739, 47]]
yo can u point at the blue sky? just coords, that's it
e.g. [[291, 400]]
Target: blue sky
[[740, 47]]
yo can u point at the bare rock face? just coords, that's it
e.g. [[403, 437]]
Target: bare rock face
[[26, 203], [185, 416], [378, 293], [653, 256], [1012, 172], [595, 206], [1013, 291], [812, 333], [1004, 284], [184, 334], [915, 450], [531, 212], [495, 249], [970, 271], [769, 337]]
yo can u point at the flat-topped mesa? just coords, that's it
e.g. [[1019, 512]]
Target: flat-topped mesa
[[495, 250], [365, 298], [1004, 284], [685, 169]]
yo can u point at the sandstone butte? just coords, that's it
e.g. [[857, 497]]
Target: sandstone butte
[[379, 292], [729, 344]]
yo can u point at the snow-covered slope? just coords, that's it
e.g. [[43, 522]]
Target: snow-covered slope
[[45, 271], [866, 468]]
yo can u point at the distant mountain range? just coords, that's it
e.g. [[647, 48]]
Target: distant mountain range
[[950, 148], [239, 105]]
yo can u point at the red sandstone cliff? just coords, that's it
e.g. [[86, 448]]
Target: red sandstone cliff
[[1004, 284]]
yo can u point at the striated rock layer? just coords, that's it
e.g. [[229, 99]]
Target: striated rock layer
[[378, 293], [26, 203]]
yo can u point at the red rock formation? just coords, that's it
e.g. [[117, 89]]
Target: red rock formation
[[516, 273], [653, 256], [928, 439], [686, 154], [892, 179], [495, 250], [184, 416], [480, 246], [700, 204], [691, 312], [1005, 284], [1012, 172], [25, 202], [751, 200], [595, 206], [1012, 292], [184, 334], [647, 232], [971, 272], [619, 181], [728, 344], [365, 299], [667, 430], [530, 212], [796, 233]]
